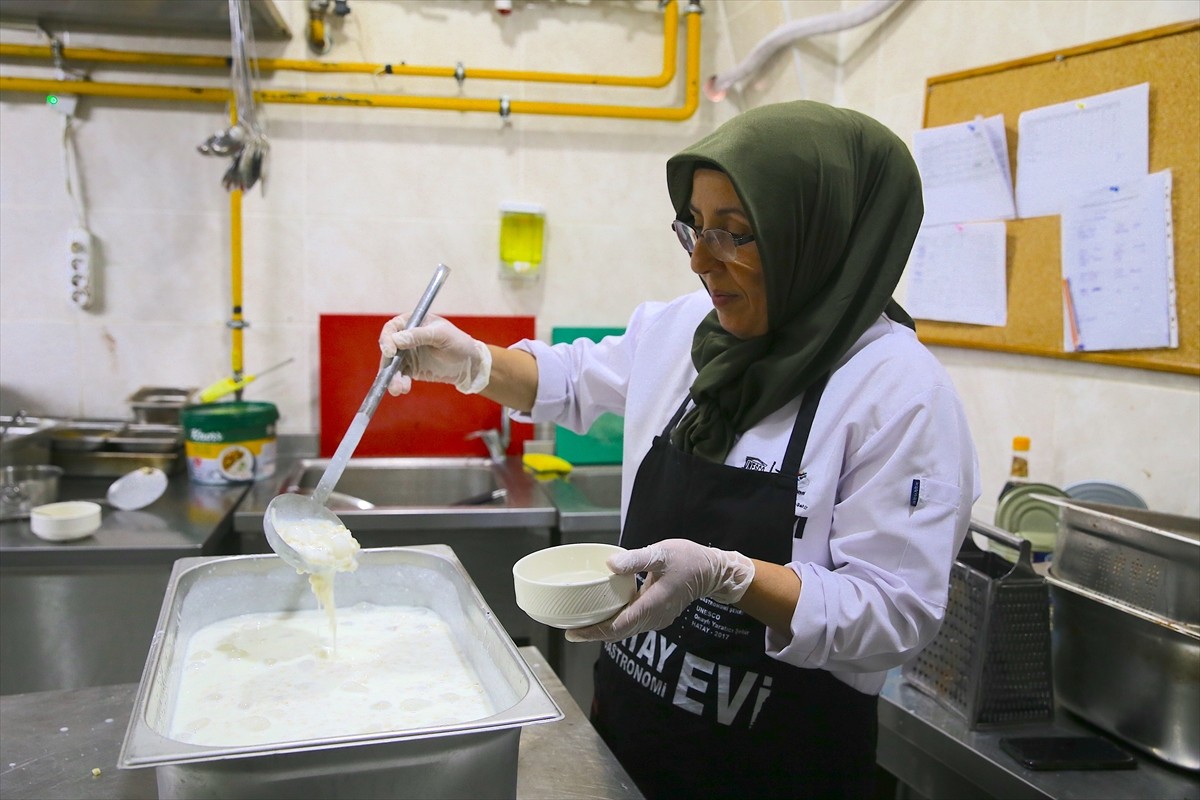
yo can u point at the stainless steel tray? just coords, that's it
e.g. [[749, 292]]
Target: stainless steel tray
[[105, 464], [1144, 558], [470, 759], [160, 404], [1127, 671]]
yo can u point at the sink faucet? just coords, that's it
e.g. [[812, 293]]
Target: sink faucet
[[496, 441]]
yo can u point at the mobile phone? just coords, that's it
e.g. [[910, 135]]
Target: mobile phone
[[1066, 752]]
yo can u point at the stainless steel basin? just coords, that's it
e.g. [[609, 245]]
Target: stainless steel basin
[[432, 482], [427, 492], [25, 439]]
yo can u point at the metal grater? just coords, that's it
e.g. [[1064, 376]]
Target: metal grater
[[990, 661]]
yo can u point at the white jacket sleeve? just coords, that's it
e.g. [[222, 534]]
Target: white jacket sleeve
[[891, 542], [578, 381]]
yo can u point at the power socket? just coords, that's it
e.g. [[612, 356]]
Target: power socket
[[79, 263], [63, 103]]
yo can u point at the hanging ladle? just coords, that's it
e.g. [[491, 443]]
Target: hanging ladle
[[288, 510]]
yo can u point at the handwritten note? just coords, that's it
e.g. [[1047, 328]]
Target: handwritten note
[[965, 175], [1119, 267], [956, 274], [1070, 148]]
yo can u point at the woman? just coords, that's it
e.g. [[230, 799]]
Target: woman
[[798, 469]]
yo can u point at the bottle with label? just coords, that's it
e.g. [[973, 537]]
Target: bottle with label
[[1018, 473]]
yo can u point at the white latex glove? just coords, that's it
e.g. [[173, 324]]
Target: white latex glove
[[678, 572], [435, 351]]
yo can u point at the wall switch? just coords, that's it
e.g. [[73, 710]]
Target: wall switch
[[79, 263]]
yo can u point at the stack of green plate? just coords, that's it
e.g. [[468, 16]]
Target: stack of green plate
[[1021, 512]]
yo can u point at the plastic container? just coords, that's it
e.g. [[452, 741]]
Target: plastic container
[[230, 442]]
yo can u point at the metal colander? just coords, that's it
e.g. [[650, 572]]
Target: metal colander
[[990, 662]]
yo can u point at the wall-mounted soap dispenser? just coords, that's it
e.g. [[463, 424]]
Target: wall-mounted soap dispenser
[[522, 234]]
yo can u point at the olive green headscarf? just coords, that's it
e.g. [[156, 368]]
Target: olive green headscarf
[[834, 199]]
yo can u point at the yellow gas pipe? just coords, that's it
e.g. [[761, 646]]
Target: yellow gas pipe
[[502, 106], [140, 58], [374, 100], [236, 322]]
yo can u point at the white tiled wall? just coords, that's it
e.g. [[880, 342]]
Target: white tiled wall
[[361, 203]]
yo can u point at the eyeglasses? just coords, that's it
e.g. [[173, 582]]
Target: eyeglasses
[[721, 243]]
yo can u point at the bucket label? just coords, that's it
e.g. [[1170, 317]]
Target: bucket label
[[230, 462]]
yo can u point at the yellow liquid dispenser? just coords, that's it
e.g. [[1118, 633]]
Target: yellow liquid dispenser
[[522, 232]]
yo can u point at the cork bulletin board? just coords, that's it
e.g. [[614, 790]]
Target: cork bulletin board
[[1168, 59]]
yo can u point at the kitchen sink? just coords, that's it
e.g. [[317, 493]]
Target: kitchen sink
[[25, 439], [405, 482], [442, 492]]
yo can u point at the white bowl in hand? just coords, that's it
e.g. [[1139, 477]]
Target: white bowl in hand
[[571, 586]]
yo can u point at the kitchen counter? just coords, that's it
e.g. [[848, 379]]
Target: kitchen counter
[[81, 613], [51, 741], [188, 520], [931, 750]]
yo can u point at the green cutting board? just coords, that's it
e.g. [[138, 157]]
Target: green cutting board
[[602, 443]]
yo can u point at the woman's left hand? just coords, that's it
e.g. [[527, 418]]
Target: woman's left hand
[[678, 572]]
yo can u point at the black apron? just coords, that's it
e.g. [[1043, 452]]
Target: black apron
[[698, 709]]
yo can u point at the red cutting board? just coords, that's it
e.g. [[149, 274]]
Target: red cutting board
[[433, 419]]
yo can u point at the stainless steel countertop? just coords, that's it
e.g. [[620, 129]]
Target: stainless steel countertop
[[51, 741], [931, 749], [186, 521]]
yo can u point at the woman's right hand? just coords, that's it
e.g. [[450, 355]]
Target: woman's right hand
[[435, 351]]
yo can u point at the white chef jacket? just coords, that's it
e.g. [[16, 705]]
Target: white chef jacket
[[887, 480]]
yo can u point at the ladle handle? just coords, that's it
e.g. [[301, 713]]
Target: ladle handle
[[418, 316], [358, 425]]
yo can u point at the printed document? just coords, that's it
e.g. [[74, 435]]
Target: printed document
[[1067, 149], [965, 176], [1119, 268], [957, 274]]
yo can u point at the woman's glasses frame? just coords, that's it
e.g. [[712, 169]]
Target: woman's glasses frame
[[721, 243]]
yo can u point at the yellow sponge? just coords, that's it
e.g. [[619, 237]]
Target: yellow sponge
[[546, 465]]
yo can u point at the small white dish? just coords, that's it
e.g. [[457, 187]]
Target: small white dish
[[62, 522], [571, 586], [137, 489]]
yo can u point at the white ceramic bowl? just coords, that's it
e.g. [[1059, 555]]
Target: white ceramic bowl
[[570, 586], [62, 522]]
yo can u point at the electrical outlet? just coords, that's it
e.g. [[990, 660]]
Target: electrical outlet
[[63, 103], [79, 263]]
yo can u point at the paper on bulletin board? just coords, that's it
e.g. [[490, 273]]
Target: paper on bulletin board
[[965, 175], [1070, 148], [1118, 267], [957, 274]]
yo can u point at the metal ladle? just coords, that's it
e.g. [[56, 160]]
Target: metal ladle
[[290, 509]]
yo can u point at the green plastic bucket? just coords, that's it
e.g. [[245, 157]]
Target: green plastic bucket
[[230, 442]]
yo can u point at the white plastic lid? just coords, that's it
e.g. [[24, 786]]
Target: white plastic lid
[[137, 489], [523, 208]]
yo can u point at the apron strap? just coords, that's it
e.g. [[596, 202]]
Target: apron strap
[[800, 431], [678, 415], [804, 421]]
